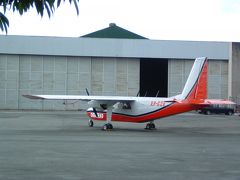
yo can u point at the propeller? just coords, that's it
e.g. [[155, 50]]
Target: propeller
[[95, 112]]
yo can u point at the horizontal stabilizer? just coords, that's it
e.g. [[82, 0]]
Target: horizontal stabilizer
[[206, 102]]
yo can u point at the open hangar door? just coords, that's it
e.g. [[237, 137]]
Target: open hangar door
[[153, 77]]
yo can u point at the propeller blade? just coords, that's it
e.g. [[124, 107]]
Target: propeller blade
[[95, 112], [87, 92]]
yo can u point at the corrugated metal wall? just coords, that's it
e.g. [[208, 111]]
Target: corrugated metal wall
[[26, 74], [178, 71], [235, 61], [63, 75]]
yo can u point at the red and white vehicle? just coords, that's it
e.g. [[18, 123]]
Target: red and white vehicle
[[147, 109]]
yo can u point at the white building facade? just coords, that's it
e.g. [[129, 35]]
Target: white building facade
[[54, 65]]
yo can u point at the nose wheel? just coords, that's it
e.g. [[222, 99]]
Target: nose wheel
[[150, 126], [90, 123]]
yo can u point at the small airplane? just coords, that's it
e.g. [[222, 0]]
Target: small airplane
[[147, 109]]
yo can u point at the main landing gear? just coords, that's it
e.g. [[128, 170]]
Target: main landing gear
[[108, 125], [150, 126]]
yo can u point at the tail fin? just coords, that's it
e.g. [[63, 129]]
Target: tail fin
[[196, 85]]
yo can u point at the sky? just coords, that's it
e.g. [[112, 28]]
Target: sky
[[203, 20]]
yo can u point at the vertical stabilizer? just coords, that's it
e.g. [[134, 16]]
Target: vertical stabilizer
[[196, 85]]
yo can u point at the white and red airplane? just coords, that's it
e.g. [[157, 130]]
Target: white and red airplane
[[147, 109]]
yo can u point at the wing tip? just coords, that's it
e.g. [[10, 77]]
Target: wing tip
[[32, 96]]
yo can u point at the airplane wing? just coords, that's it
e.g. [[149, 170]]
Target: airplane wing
[[83, 98]]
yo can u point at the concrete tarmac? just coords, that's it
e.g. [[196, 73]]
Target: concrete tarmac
[[60, 145]]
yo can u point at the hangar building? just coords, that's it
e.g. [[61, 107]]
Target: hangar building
[[111, 61]]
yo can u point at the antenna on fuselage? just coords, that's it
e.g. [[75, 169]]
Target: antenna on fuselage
[[138, 94], [145, 94], [157, 93]]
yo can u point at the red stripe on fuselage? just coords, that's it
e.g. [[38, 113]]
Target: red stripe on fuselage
[[172, 109]]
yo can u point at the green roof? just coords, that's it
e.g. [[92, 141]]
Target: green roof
[[114, 31]]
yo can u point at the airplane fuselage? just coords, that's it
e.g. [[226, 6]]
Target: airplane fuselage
[[143, 110]]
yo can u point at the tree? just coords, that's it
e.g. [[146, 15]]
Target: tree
[[23, 6]]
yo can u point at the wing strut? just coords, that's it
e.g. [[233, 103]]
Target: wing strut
[[94, 109], [108, 125]]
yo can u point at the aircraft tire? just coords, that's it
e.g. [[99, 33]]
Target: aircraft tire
[[147, 126], [110, 126], [150, 126], [153, 126], [90, 123], [107, 127]]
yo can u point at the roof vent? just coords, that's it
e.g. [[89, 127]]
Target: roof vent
[[112, 24]]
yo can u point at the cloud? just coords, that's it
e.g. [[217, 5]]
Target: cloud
[[231, 6]]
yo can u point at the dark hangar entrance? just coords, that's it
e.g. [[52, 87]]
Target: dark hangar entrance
[[153, 77]]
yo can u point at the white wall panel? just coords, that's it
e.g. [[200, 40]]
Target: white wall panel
[[109, 76], [133, 77], [9, 81], [178, 71], [97, 76], [23, 74]]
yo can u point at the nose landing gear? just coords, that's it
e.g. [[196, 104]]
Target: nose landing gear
[[90, 123]]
